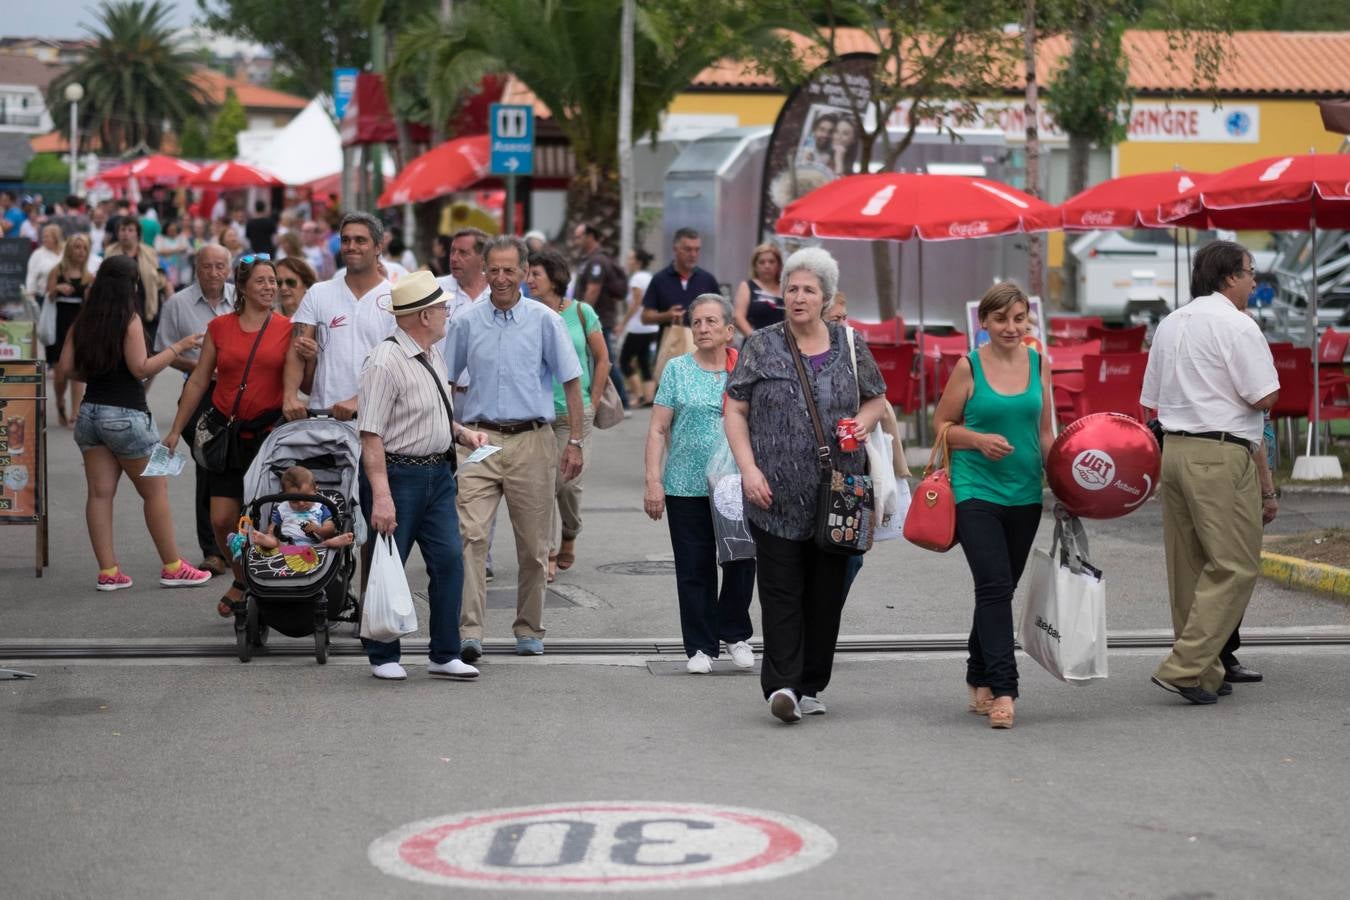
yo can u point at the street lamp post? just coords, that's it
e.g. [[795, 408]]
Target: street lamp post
[[74, 94]]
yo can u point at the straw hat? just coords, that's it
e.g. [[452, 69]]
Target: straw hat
[[415, 292]]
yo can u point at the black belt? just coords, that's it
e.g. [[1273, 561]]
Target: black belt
[[509, 427], [1224, 436], [398, 459]]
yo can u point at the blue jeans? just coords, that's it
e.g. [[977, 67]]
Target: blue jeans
[[615, 376], [424, 505], [128, 433], [707, 616]]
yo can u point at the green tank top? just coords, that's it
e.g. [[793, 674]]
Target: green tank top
[[1014, 480]]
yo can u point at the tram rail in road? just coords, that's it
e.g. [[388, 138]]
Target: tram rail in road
[[35, 649]]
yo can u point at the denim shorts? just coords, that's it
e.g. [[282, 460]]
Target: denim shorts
[[128, 433]]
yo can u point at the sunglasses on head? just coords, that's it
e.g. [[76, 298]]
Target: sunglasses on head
[[250, 258]]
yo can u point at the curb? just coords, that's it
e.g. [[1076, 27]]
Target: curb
[[1300, 573]]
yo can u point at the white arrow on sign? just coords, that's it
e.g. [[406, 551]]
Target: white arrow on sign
[[512, 164]]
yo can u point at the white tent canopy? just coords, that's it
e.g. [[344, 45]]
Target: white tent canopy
[[307, 149]]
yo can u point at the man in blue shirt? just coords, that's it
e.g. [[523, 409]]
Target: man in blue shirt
[[11, 216], [513, 349], [675, 287]]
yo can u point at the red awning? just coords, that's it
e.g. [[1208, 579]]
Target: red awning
[[368, 119]]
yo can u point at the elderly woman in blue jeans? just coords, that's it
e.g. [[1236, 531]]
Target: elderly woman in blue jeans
[[801, 587], [688, 411]]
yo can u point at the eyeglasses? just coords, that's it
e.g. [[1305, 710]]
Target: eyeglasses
[[1250, 273], [250, 258], [289, 282]]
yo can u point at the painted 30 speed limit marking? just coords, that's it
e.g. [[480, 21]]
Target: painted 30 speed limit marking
[[602, 846]]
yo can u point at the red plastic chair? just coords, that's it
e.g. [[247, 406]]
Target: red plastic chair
[[1071, 328], [1119, 340], [1112, 383], [1070, 358], [1294, 366], [1067, 390], [891, 332], [1331, 348], [897, 370], [934, 347]]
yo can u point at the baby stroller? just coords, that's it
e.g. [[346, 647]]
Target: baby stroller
[[301, 592]]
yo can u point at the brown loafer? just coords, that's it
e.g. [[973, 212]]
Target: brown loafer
[[213, 564]]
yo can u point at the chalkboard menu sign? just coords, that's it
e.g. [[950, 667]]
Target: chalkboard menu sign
[[13, 270]]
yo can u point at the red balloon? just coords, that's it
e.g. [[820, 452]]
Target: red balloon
[[1103, 466]]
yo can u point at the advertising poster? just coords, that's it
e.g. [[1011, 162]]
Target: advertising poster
[[818, 135], [16, 339], [20, 441]]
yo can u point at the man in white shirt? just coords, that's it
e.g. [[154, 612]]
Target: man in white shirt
[[466, 285], [1210, 376], [337, 323]]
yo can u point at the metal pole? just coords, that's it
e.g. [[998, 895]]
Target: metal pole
[[74, 146], [1176, 271], [1312, 338], [509, 223], [923, 360], [627, 213]]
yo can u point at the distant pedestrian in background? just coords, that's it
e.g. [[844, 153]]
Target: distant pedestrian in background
[[638, 352], [602, 284], [757, 302]]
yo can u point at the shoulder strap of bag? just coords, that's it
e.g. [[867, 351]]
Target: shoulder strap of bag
[[243, 380], [853, 358], [581, 320], [823, 448], [940, 447], [445, 399]]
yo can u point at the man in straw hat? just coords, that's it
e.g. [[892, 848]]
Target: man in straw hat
[[407, 432]]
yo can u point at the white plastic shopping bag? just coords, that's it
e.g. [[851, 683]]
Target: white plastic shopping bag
[[387, 613], [893, 525], [728, 508], [1063, 624]]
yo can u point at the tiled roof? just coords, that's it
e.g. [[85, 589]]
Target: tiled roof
[[250, 95], [18, 68]]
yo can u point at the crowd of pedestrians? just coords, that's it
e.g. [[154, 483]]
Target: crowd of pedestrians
[[514, 345]]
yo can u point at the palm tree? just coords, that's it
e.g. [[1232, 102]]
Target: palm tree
[[567, 54], [137, 80]]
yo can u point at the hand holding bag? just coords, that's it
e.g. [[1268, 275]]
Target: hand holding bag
[[845, 505], [880, 455], [1063, 621], [215, 444], [387, 612], [931, 520], [609, 411]]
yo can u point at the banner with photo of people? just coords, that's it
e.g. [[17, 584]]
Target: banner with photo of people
[[818, 135]]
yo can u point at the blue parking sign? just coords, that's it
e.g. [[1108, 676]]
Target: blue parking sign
[[511, 137]]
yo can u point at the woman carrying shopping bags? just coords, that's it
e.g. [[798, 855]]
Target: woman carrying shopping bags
[[995, 415]]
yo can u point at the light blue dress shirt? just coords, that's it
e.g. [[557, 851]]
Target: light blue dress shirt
[[512, 356]]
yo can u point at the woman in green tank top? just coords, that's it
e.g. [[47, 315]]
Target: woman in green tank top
[[996, 410]]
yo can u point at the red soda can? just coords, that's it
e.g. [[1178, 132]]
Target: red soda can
[[847, 442]]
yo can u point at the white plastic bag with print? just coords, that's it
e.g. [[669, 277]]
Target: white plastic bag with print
[[1063, 623], [387, 612], [727, 499]]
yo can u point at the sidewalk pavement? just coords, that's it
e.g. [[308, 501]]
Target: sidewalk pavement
[[622, 585]]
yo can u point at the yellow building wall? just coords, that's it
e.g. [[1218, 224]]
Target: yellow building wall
[[751, 109]]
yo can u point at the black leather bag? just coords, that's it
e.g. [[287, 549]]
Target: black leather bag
[[215, 444]]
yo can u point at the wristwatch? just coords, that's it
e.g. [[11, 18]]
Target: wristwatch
[[1271, 495], [574, 442]]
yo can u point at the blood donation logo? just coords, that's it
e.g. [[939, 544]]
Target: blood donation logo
[[602, 846]]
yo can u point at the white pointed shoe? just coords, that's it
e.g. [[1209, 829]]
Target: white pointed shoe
[[698, 664], [390, 671], [455, 668]]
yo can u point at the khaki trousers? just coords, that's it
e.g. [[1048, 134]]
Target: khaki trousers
[[522, 472], [567, 511], [1212, 533]]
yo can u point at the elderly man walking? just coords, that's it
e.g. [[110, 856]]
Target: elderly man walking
[[407, 432], [514, 349], [186, 313], [1210, 376]]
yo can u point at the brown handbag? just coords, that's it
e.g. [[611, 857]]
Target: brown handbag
[[931, 520]]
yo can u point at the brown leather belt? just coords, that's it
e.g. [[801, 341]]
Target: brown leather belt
[[508, 427]]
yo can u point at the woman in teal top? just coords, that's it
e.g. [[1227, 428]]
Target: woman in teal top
[[547, 279], [996, 412], [688, 410]]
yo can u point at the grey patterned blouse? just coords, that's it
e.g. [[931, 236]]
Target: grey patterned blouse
[[781, 436]]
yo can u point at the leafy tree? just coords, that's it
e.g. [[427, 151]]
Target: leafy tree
[[47, 168], [307, 38], [566, 53], [192, 139], [229, 120], [136, 78]]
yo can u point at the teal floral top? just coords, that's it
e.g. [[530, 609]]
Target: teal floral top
[[695, 397]]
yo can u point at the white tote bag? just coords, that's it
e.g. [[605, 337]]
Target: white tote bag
[[387, 612], [1063, 624], [46, 325], [880, 458]]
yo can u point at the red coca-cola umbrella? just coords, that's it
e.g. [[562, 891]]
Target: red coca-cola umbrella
[[231, 175], [898, 206], [1131, 201], [157, 169], [1280, 193], [453, 166]]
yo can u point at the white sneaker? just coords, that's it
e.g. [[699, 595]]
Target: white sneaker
[[390, 671], [783, 705], [698, 664], [455, 668], [811, 706], [742, 655]]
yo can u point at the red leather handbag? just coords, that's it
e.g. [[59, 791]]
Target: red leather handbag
[[931, 520]]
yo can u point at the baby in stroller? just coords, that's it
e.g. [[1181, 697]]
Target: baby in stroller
[[300, 521]]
